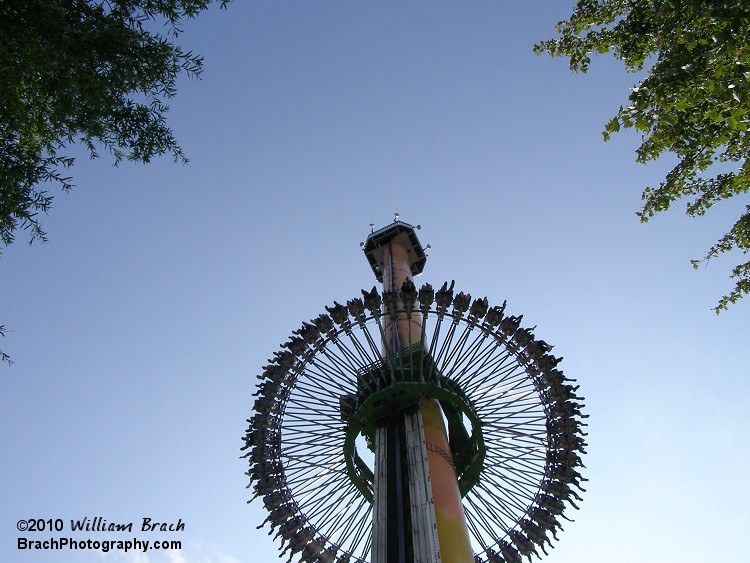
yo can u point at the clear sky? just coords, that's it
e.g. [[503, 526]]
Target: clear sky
[[138, 329]]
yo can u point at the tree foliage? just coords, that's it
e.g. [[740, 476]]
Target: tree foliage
[[96, 72], [86, 71], [694, 101]]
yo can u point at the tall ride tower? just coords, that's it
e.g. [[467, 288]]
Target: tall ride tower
[[414, 426], [418, 511]]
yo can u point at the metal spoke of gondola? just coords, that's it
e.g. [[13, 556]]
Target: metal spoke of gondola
[[326, 513], [508, 491], [327, 369], [478, 534], [490, 512], [346, 517], [477, 358], [501, 461]]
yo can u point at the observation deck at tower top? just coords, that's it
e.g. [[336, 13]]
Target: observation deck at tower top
[[397, 232]]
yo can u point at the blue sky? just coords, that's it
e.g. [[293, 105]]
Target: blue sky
[[138, 329]]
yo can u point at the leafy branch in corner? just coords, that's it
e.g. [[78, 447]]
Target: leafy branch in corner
[[694, 101]]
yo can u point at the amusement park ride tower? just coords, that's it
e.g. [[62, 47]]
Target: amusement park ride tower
[[416, 487], [450, 398]]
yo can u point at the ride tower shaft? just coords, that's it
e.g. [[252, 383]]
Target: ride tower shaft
[[418, 516]]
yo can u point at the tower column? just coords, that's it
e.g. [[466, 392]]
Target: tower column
[[417, 480]]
